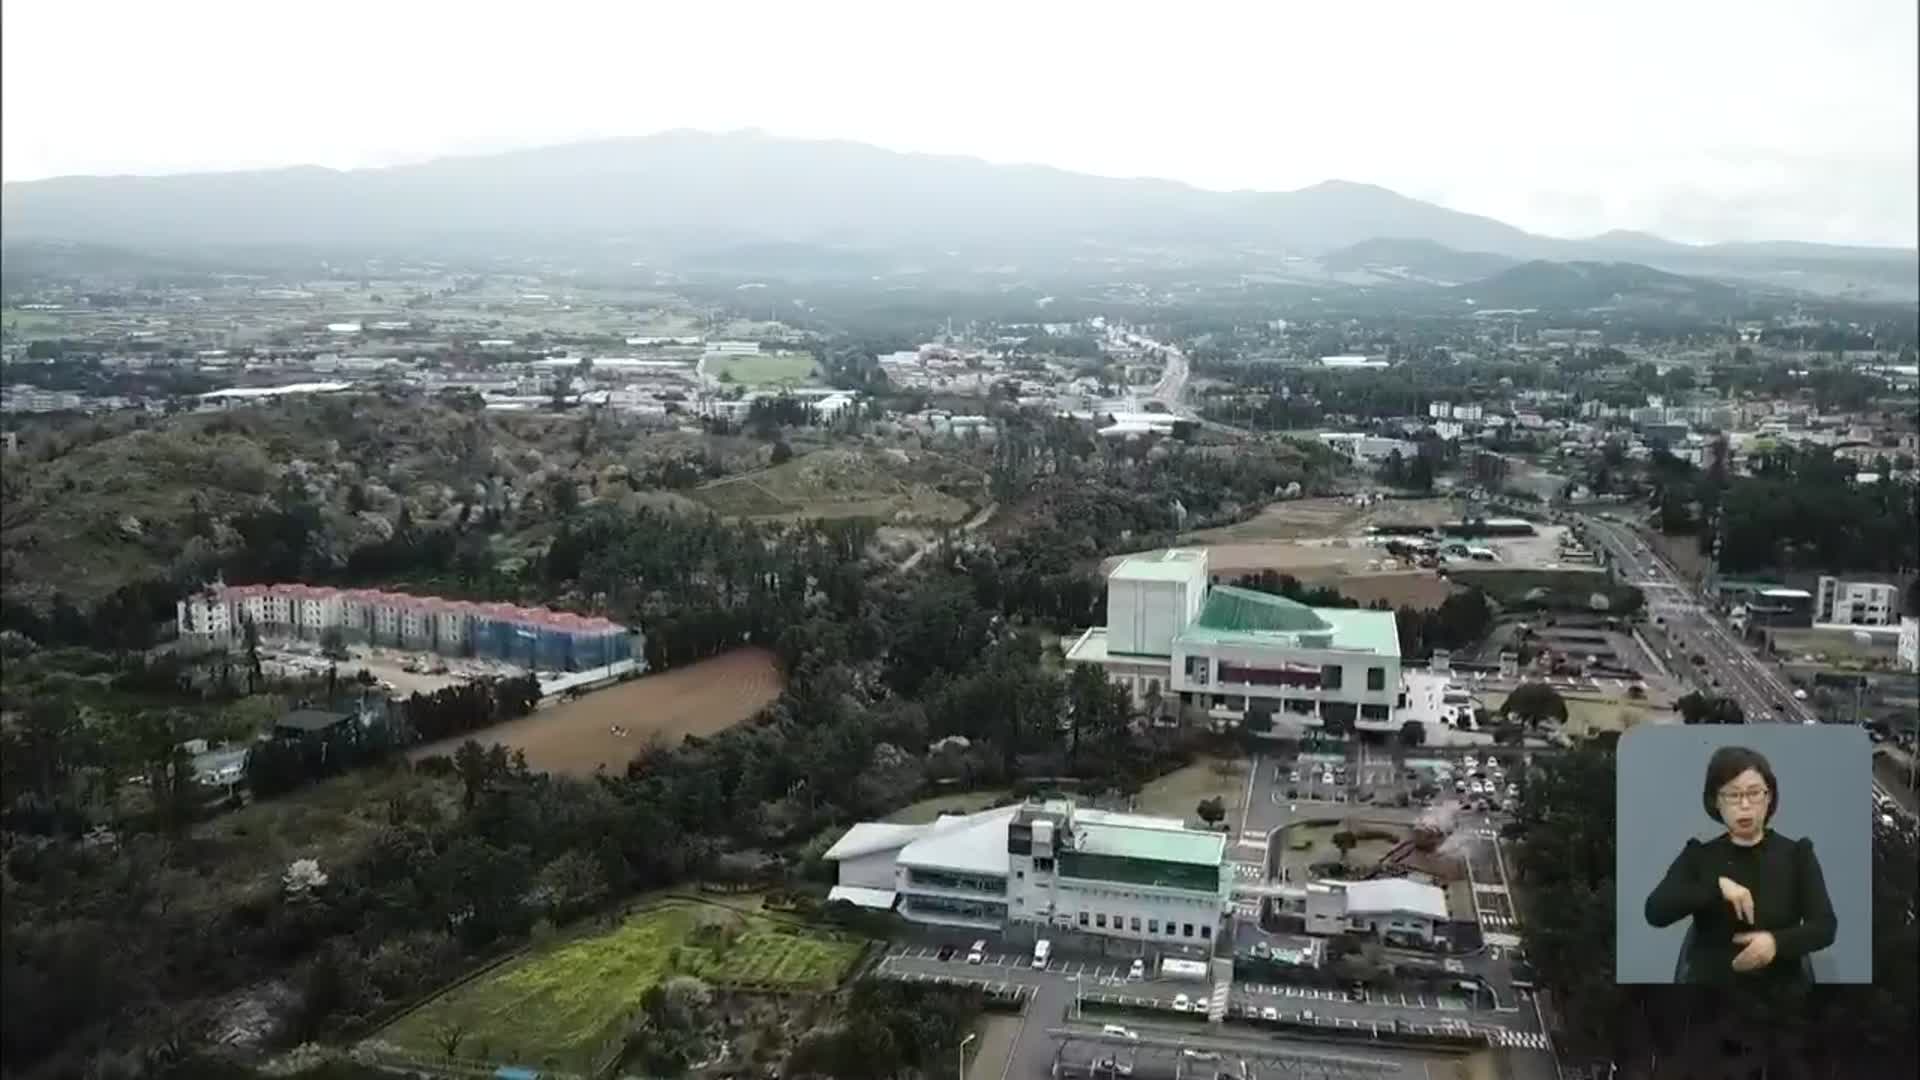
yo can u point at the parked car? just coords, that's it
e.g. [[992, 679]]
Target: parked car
[[1293, 777], [1261, 950], [1122, 1032], [946, 952], [1181, 1003], [1138, 970], [1269, 1013], [978, 954]]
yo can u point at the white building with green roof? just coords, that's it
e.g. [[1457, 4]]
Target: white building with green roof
[[1171, 632], [1050, 868]]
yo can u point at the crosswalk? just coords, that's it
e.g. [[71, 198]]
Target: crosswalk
[[1496, 921], [1217, 1007], [1521, 1040], [1485, 833], [1246, 909], [1248, 871]]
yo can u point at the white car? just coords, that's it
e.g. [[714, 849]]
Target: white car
[[977, 954], [1138, 970], [1181, 1003], [1269, 1013], [1119, 1032]]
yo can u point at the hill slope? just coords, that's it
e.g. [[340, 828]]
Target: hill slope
[[1416, 258], [1584, 285]]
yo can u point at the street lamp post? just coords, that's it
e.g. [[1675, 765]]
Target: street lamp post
[[962, 1074]]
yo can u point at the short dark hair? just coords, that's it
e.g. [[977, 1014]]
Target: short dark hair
[[1729, 762]]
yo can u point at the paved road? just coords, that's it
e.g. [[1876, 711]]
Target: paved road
[[1684, 619], [1730, 668]]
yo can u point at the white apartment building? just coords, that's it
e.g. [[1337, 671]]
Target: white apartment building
[[1854, 603], [1145, 883], [1233, 651]]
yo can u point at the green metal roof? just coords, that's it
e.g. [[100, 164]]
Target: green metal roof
[[1238, 610], [1245, 617], [1160, 845]]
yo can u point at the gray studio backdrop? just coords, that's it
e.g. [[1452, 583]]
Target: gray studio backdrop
[[1826, 785]]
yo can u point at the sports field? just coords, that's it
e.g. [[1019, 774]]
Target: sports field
[[763, 369], [608, 727]]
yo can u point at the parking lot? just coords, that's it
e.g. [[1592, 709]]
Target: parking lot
[[1069, 985]]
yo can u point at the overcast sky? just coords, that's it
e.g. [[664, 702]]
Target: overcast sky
[[1697, 119]]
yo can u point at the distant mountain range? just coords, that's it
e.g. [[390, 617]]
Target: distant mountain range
[[690, 194]]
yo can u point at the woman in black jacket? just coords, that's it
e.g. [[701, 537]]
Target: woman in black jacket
[[1757, 899]]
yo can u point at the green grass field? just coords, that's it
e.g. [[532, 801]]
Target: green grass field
[[1178, 793], [555, 1007], [764, 369]]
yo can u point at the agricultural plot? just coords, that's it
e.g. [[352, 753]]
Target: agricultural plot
[[561, 1007]]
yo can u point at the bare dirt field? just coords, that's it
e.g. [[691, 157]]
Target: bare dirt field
[[577, 736], [1418, 589]]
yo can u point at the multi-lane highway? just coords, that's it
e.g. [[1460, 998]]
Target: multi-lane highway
[[1687, 623]]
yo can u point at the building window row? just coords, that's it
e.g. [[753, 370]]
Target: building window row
[[1132, 923]]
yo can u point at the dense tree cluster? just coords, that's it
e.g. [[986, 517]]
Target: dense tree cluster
[[1799, 510], [890, 1029]]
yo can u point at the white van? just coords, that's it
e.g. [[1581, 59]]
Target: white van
[[1041, 951]]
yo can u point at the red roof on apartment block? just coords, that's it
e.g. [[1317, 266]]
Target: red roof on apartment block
[[511, 613]]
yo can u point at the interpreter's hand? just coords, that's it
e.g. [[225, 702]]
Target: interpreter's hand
[[1737, 895], [1758, 953]]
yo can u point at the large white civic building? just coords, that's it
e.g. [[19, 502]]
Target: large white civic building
[[1170, 631], [1173, 634], [1146, 883]]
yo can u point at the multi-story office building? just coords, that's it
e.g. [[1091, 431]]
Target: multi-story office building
[[1234, 651], [1855, 603], [1146, 884]]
